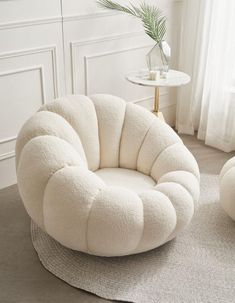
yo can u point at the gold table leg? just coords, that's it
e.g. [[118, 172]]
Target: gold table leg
[[156, 104], [156, 99]]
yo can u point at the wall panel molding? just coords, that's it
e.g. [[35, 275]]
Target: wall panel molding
[[78, 17], [8, 139], [50, 20], [39, 68], [27, 23], [66, 18], [106, 38], [100, 14], [102, 39], [28, 69], [52, 49], [31, 69], [103, 54], [8, 155]]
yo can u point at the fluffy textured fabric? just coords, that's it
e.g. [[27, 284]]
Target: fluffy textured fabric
[[227, 187], [129, 178], [136, 125], [110, 114], [105, 177], [80, 113]]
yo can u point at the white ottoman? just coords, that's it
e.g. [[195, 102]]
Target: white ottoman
[[227, 187], [104, 176]]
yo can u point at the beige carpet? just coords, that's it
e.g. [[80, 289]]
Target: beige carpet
[[199, 266]]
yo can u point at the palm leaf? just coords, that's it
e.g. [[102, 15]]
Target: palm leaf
[[152, 18], [132, 10]]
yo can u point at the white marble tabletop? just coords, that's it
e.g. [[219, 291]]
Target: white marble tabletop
[[174, 78]]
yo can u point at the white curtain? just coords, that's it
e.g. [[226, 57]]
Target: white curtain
[[207, 54]]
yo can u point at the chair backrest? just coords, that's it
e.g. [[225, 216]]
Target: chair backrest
[[108, 132]]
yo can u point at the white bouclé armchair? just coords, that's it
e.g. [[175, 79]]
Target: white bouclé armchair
[[105, 177]]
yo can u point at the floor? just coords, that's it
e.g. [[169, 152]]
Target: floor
[[22, 277]]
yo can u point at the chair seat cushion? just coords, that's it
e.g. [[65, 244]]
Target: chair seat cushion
[[105, 177], [126, 178]]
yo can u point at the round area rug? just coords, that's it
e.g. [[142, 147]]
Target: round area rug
[[198, 266]]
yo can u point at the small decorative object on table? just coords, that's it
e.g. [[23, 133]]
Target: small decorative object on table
[[154, 23]]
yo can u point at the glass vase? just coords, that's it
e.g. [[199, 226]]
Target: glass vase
[[158, 58]]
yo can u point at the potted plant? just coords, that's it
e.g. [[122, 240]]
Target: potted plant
[[154, 23]]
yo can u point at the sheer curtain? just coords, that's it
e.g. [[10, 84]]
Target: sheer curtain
[[207, 53]]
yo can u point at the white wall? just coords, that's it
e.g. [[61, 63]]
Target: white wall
[[42, 58]]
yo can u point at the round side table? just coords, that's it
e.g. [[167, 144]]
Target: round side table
[[174, 78]]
